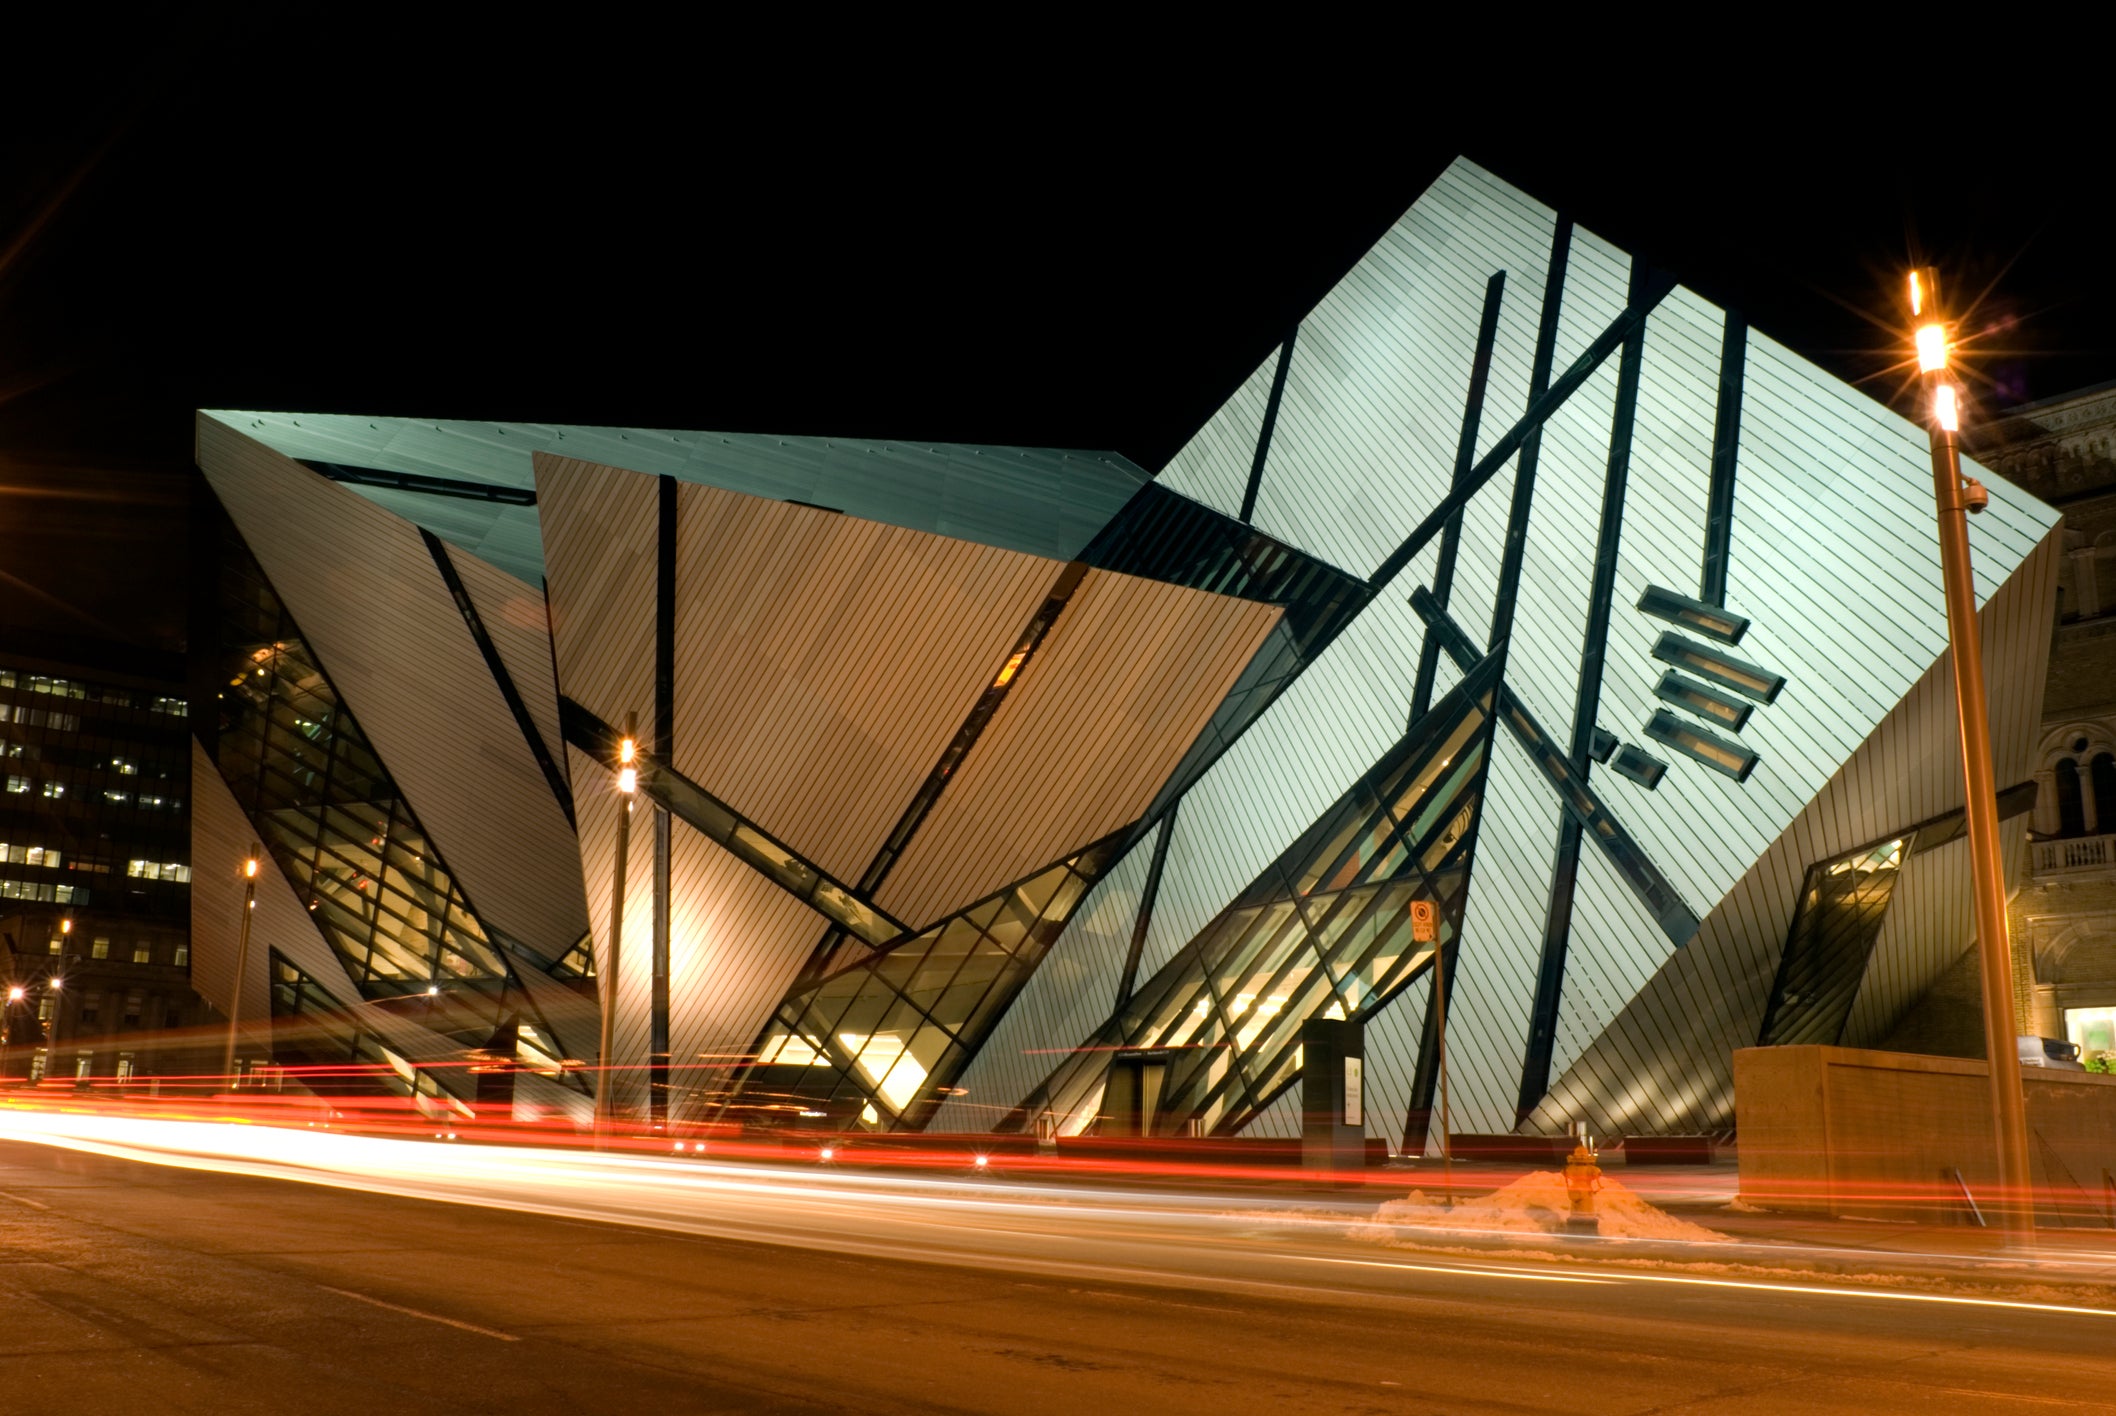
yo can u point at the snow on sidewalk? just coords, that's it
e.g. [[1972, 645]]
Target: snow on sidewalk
[[1534, 1204]]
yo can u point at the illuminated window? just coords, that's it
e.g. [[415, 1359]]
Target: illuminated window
[[101, 948], [18, 785], [183, 955], [142, 952], [2094, 1029]]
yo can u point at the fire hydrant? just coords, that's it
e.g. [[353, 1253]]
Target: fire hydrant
[[1582, 1178]]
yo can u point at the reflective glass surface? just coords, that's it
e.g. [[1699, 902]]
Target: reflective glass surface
[[324, 806], [885, 1038], [1325, 932], [1843, 903]]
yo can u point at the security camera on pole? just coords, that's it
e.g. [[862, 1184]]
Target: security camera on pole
[[1957, 496]]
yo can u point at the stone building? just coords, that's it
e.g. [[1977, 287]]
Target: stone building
[[2063, 450]]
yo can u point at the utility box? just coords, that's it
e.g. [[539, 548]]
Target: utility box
[[1333, 1131]]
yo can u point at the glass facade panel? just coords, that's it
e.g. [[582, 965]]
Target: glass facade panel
[[1329, 936], [335, 824], [1843, 903], [885, 1038]]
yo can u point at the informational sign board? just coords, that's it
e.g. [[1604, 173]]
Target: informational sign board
[[1355, 1094], [1425, 921]]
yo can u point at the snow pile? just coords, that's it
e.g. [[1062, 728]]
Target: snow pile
[[1534, 1204]]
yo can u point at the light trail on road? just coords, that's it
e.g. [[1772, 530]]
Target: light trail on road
[[1160, 1237]]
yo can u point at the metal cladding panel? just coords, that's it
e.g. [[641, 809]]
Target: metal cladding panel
[[1615, 947], [1501, 942], [372, 605], [1068, 997], [1834, 560], [1213, 467], [516, 620], [1127, 678], [736, 942], [596, 803], [824, 663], [1827, 485], [573, 1017], [1280, 1121], [1326, 728], [1371, 414], [1042, 501], [221, 835], [600, 542], [1929, 924], [507, 536], [1392, 1037], [1664, 1062]]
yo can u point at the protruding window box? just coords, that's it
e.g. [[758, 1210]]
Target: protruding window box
[[1641, 767], [1695, 743], [1700, 615], [1720, 709], [1714, 666]]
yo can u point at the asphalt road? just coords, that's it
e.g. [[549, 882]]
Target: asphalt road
[[136, 1287]]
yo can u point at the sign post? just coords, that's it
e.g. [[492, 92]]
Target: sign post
[[1425, 929]]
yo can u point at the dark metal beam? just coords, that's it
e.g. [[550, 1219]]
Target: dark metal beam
[[1726, 452], [1263, 437], [1587, 700], [1581, 804], [745, 839], [1509, 586], [1465, 454], [554, 775], [1605, 344], [1144, 919], [664, 750], [453, 487]]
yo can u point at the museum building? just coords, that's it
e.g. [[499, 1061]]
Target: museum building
[[1521, 613]]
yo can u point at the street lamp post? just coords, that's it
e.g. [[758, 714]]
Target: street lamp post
[[242, 959], [1957, 496], [627, 788]]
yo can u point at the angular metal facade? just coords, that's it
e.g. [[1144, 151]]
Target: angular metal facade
[[1519, 581]]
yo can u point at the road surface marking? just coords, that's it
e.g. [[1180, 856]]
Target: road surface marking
[[1458, 1271], [416, 1313], [1848, 1291]]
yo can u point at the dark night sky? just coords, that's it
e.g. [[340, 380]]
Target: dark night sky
[[882, 239]]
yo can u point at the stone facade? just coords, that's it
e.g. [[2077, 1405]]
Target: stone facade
[[2064, 919]]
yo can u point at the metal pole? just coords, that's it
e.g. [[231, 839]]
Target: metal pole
[[1955, 497], [1986, 864], [242, 960], [658, 1023], [606, 1082], [1447, 1146]]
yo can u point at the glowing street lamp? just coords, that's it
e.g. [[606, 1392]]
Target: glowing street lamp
[[1957, 496], [242, 957]]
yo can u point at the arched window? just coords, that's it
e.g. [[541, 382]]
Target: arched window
[[2103, 776], [2071, 818]]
